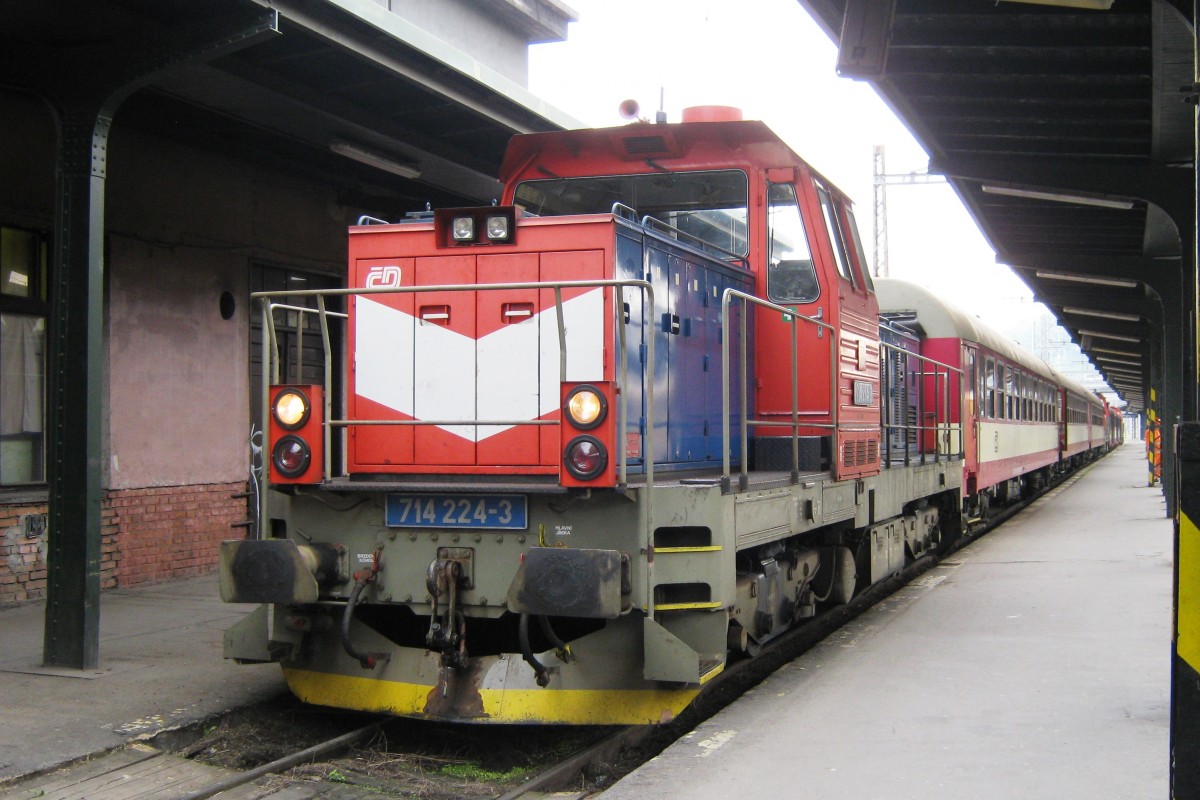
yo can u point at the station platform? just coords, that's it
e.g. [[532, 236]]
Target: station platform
[[1034, 663], [161, 667]]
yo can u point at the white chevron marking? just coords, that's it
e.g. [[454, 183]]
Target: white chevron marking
[[426, 371]]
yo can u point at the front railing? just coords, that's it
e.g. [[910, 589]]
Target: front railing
[[271, 357]]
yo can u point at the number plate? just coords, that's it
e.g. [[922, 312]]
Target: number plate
[[485, 511]]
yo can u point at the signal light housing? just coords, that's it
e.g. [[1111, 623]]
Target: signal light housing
[[587, 435], [295, 434], [455, 227]]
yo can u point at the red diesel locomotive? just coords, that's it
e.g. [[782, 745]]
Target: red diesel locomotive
[[591, 442]]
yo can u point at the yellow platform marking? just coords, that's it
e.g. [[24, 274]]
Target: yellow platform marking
[[1187, 626], [549, 705], [706, 606]]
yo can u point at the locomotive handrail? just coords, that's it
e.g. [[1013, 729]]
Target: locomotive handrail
[[557, 286], [790, 315], [624, 212], [941, 378], [308, 310], [651, 222]]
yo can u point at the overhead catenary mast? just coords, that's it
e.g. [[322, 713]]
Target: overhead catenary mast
[[881, 181]]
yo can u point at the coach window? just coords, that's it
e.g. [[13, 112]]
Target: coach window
[[1008, 393], [791, 277], [998, 384], [840, 254], [989, 405], [23, 312]]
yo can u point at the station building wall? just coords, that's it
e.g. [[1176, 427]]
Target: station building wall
[[184, 227]]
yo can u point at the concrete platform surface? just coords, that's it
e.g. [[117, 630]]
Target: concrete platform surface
[[160, 667], [1033, 664]]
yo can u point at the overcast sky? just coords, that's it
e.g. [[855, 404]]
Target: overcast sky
[[769, 58]]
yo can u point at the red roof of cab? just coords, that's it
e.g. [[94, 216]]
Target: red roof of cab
[[627, 149]]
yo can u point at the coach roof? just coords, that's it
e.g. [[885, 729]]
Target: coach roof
[[940, 320]]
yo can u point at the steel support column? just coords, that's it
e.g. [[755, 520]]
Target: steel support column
[[1185, 652], [1185, 649], [84, 100], [76, 361]]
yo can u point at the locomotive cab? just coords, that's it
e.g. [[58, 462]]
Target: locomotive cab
[[733, 188]]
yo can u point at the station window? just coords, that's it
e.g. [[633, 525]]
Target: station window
[[791, 277], [23, 313]]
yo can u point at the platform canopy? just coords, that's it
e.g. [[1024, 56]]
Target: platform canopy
[[343, 91], [1067, 130]]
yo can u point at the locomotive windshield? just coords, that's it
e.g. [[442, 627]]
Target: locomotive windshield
[[708, 205]]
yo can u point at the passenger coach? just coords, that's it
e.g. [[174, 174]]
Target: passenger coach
[[1024, 421]]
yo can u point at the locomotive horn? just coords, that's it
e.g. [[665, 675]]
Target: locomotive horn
[[629, 109]]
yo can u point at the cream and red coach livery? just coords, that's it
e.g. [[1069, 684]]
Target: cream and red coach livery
[[1024, 420]]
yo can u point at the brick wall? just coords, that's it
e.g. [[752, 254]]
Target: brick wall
[[146, 535], [173, 532]]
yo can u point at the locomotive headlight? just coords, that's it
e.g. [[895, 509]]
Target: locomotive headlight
[[291, 409], [585, 457], [291, 456], [497, 227], [462, 229], [586, 407]]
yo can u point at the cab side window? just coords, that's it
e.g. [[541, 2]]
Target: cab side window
[[791, 277], [856, 241], [840, 254]]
